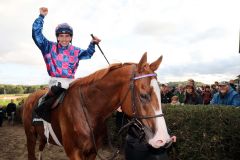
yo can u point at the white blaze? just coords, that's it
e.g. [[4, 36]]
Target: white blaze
[[161, 136]]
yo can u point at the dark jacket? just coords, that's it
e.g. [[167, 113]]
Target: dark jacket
[[166, 98], [134, 148], [213, 91], [192, 98], [232, 98], [207, 97], [137, 150], [233, 86], [1, 113], [11, 107], [1, 116]]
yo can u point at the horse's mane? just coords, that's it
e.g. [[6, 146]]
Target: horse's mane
[[96, 75]]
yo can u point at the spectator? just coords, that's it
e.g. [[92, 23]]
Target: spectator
[[226, 96], [166, 95], [173, 90], [231, 83], [175, 100], [134, 148], [1, 115], [238, 88], [191, 82], [217, 84], [180, 93], [199, 90], [213, 89], [120, 119], [206, 95], [11, 111], [139, 150], [191, 96]]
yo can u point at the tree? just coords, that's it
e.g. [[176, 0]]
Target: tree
[[18, 90]]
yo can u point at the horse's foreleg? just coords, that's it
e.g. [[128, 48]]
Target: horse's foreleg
[[78, 155], [41, 147], [31, 143], [75, 155], [92, 156]]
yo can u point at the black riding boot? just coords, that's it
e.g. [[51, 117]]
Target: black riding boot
[[43, 110]]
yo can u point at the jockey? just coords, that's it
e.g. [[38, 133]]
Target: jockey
[[61, 58]]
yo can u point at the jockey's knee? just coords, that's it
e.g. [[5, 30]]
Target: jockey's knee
[[57, 90]]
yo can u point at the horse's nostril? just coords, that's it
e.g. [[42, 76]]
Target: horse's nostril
[[159, 141]]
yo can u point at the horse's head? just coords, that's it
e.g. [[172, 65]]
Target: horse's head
[[144, 103]]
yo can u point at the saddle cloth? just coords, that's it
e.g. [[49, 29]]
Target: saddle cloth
[[36, 120]]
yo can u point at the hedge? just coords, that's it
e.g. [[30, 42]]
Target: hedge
[[203, 132]]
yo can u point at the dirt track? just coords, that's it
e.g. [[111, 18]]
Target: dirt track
[[13, 145]]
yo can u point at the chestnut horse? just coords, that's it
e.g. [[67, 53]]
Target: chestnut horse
[[79, 121]]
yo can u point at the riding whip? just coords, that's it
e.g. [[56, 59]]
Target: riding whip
[[100, 50]]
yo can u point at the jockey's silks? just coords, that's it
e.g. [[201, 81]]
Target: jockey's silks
[[60, 61]]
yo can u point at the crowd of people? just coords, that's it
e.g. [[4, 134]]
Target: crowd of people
[[219, 93]]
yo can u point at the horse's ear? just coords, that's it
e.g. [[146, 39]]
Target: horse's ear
[[142, 62], [154, 66]]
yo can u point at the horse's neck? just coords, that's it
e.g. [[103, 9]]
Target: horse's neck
[[106, 93]]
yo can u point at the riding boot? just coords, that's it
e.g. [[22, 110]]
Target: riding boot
[[43, 109]]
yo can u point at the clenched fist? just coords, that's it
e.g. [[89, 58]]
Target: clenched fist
[[43, 11], [95, 40]]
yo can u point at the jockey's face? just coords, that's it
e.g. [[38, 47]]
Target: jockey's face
[[64, 39]]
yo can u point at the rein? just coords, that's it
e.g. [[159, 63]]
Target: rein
[[84, 108]]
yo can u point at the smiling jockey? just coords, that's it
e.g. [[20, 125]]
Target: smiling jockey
[[61, 58]]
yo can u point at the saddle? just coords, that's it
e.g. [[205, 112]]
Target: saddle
[[42, 111]]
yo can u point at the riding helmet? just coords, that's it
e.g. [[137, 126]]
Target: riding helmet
[[64, 28]]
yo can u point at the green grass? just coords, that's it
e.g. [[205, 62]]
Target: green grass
[[13, 95], [16, 97]]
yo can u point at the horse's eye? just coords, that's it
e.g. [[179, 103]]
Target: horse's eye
[[145, 98]]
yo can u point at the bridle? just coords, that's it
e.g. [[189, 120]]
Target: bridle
[[138, 127], [133, 97]]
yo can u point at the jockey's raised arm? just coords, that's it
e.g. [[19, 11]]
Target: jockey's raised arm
[[61, 58]]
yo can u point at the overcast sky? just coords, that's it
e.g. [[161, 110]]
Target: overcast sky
[[198, 38]]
